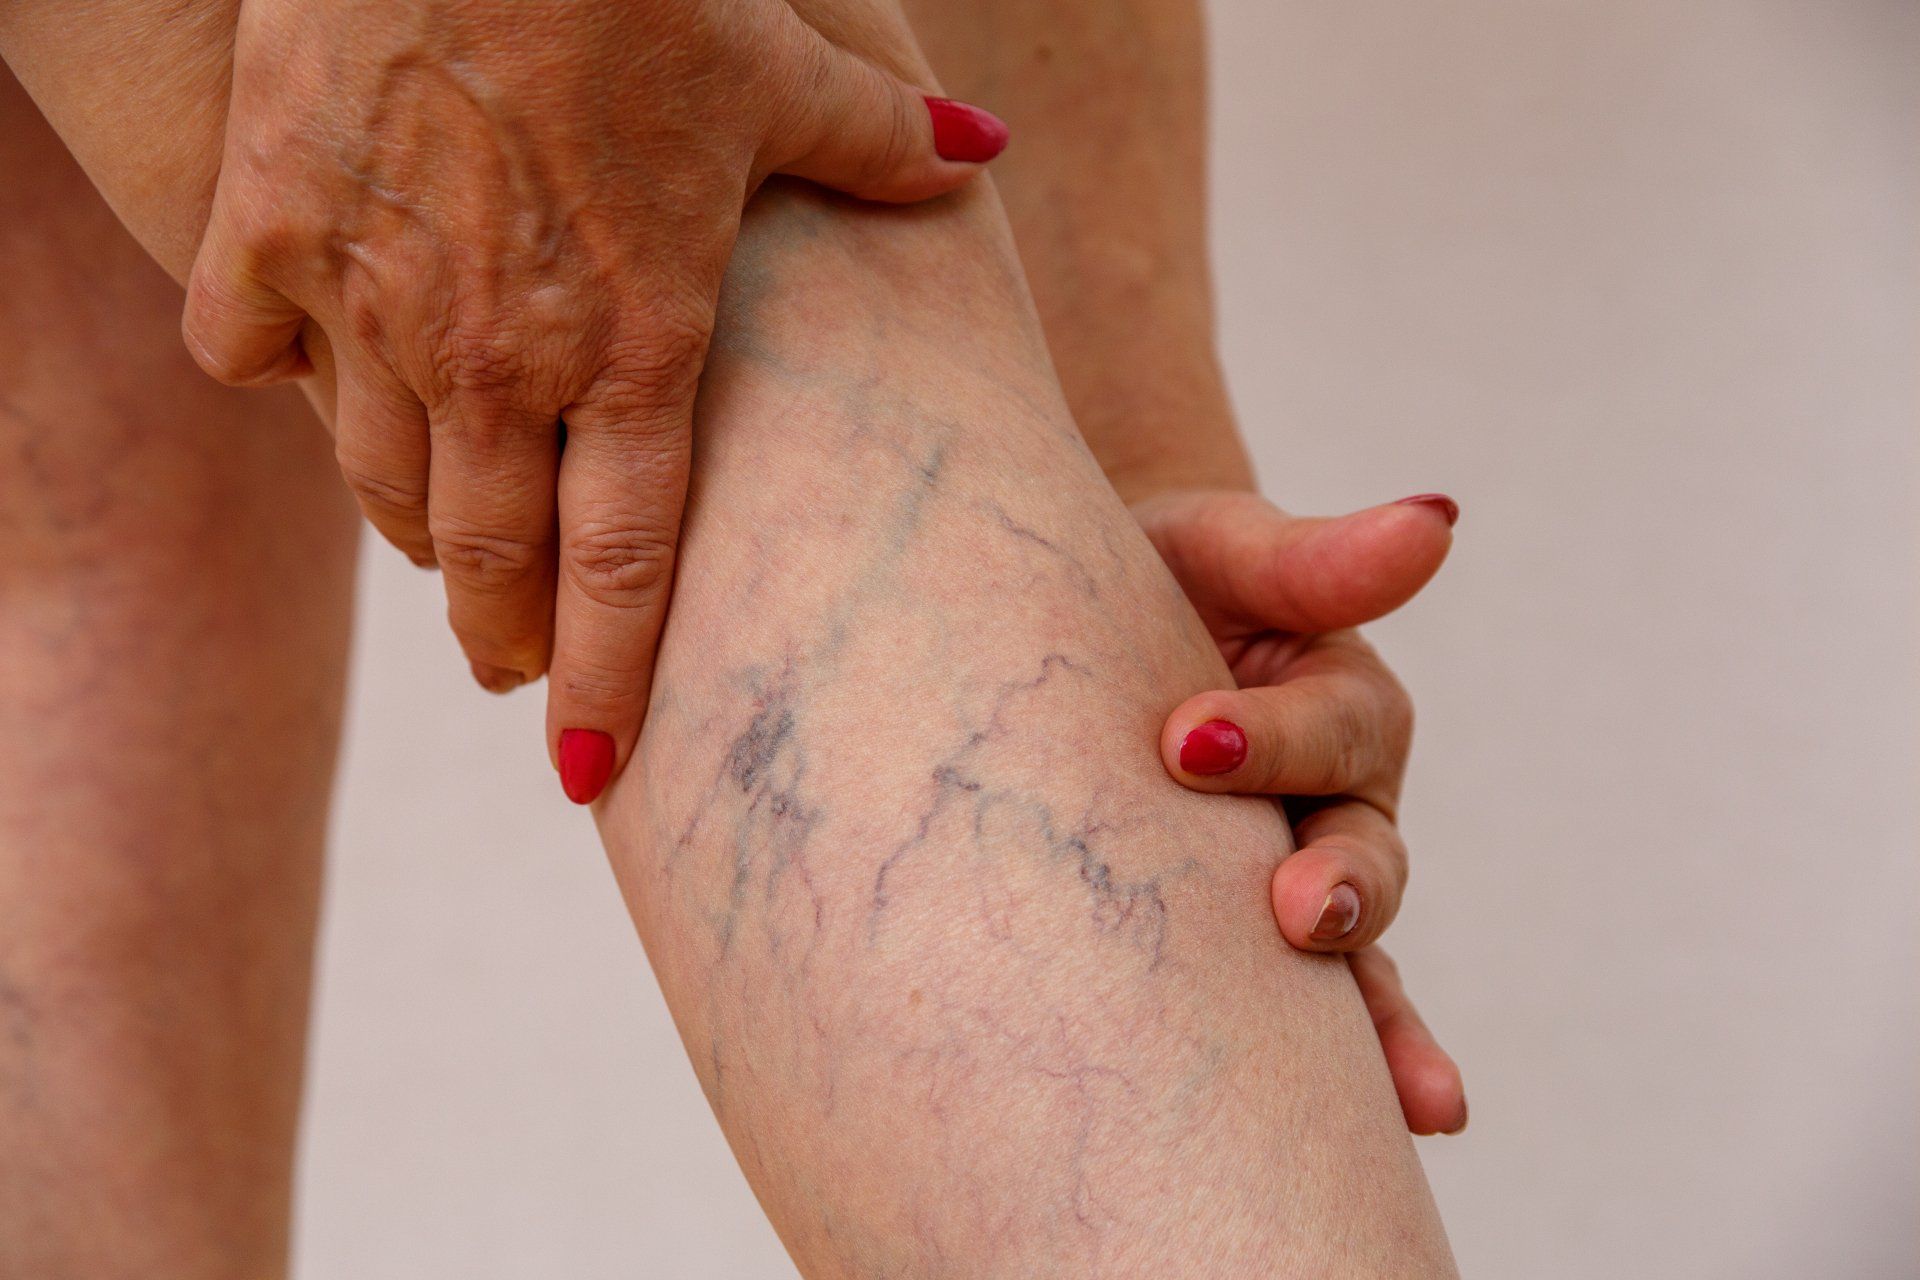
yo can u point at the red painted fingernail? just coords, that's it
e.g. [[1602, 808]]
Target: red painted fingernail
[[586, 762], [1218, 746], [1438, 501], [1338, 915], [1462, 1126], [965, 132]]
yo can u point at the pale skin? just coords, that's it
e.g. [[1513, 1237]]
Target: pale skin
[[1113, 240], [681, 939], [885, 882]]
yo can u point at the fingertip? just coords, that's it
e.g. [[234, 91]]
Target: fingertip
[[1211, 749], [1388, 553], [1339, 914], [586, 758], [1316, 906], [1432, 1095], [496, 679], [1320, 903], [1437, 503], [1325, 574], [965, 133]]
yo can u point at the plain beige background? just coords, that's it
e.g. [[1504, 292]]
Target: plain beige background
[[1635, 280]]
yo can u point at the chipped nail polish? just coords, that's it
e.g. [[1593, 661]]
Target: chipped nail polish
[[1338, 914], [1218, 746]]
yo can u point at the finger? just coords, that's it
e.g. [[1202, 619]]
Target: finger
[[381, 443], [239, 329], [870, 134], [1337, 721], [491, 512], [623, 483], [1342, 887], [1239, 557], [1427, 1080]]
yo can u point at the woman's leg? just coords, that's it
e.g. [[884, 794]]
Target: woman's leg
[[974, 988], [175, 578]]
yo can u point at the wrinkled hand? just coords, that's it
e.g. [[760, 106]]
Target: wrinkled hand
[[1317, 719], [491, 218]]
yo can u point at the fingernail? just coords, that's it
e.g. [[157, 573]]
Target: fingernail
[[1338, 914], [496, 679], [1438, 501], [1218, 746], [586, 762], [1462, 1126], [965, 132]]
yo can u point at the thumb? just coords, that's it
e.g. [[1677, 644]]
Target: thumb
[[1242, 560], [872, 135], [239, 329]]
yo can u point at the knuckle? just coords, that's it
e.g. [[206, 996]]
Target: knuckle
[[382, 496], [1399, 866], [653, 367], [365, 315], [902, 144], [1392, 705], [496, 425], [592, 685], [487, 562], [1397, 718], [217, 339], [1356, 733], [481, 360], [621, 567]]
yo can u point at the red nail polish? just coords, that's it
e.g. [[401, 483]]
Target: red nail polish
[[1339, 914], [965, 132], [1218, 746], [586, 762], [1438, 501]]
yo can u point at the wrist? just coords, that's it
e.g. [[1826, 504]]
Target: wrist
[[1138, 482], [1169, 446], [1151, 402]]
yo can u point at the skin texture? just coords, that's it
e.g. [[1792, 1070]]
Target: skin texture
[[984, 926], [488, 217], [1113, 238], [1303, 1067], [175, 587], [1113, 235]]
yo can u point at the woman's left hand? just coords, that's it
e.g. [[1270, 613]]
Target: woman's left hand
[[1318, 720]]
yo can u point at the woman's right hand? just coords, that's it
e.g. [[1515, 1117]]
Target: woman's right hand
[[492, 218]]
